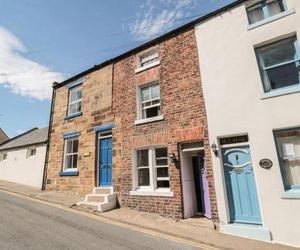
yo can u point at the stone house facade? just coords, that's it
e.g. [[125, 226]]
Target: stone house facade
[[94, 91]]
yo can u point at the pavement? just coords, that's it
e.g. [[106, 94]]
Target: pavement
[[197, 230]]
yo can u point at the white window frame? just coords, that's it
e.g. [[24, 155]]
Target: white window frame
[[29, 150], [67, 154], [140, 119], [2, 156], [152, 189], [71, 90], [146, 56]]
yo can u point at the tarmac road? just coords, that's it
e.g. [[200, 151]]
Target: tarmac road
[[26, 224]]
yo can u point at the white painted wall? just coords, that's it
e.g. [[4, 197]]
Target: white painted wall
[[20, 169], [232, 90]]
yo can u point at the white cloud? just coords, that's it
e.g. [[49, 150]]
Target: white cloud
[[21, 75], [154, 19]]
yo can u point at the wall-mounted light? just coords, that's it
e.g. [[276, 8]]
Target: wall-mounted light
[[173, 158], [214, 149]]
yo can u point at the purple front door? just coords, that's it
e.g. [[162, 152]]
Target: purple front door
[[205, 187]]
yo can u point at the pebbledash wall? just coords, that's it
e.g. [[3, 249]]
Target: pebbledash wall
[[183, 119], [96, 111], [236, 104]]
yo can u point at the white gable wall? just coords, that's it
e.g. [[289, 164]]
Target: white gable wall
[[20, 169], [233, 89]]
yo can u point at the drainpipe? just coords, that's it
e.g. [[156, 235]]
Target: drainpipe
[[49, 137]]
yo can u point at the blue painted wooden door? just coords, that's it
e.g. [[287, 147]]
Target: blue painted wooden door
[[105, 162], [240, 185]]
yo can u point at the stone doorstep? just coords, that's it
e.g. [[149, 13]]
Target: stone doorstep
[[102, 199]]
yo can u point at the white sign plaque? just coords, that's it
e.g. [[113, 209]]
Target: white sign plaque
[[288, 149]]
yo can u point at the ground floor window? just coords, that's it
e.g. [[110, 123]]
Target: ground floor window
[[288, 145], [152, 169], [71, 154]]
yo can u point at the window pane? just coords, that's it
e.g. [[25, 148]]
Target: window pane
[[161, 152], [284, 76], [163, 184], [68, 161], [145, 94], [142, 158], [288, 143], [155, 92], [151, 112], [75, 146], [162, 172], [69, 146], [143, 177], [75, 159], [275, 7], [255, 14], [279, 52]]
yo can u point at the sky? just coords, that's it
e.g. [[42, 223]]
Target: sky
[[43, 41]]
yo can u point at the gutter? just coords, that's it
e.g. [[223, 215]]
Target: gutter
[[49, 137]]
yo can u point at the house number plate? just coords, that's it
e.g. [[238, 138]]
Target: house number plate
[[265, 163]]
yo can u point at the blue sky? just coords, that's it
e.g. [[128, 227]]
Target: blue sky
[[50, 40]]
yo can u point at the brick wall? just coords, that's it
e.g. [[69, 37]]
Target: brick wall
[[96, 110], [182, 105]]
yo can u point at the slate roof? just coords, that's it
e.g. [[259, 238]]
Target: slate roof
[[31, 137]]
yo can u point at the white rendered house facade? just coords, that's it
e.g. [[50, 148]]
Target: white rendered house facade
[[22, 158], [250, 69]]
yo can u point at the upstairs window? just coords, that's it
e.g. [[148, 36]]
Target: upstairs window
[[264, 10], [71, 154], [75, 99], [31, 152], [279, 64], [3, 156], [148, 58], [150, 101], [288, 144]]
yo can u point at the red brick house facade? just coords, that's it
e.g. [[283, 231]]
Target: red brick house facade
[[181, 120]]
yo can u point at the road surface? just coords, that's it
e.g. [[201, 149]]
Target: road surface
[[27, 224]]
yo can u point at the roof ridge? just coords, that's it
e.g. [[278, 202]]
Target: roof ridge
[[13, 138]]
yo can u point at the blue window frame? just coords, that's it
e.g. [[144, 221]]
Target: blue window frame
[[279, 64], [264, 9], [288, 149]]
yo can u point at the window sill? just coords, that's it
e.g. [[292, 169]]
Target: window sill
[[161, 193], [147, 120], [291, 194], [73, 115], [282, 91], [138, 70], [69, 173], [271, 19]]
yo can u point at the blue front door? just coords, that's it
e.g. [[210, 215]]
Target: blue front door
[[105, 162], [240, 185]]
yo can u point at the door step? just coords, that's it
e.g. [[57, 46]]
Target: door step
[[102, 199]]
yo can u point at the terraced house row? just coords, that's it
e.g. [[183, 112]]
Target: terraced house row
[[200, 121]]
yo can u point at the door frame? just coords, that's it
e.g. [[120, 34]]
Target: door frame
[[232, 145], [189, 153], [101, 135]]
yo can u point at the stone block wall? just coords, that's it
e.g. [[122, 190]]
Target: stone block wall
[[96, 110]]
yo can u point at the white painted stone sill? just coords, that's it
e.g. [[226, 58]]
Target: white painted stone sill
[[271, 19], [282, 91], [147, 120], [140, 69], [291, 194], [152, 193]]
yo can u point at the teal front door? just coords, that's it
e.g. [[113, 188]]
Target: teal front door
[[105, 162], [240, 185]]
